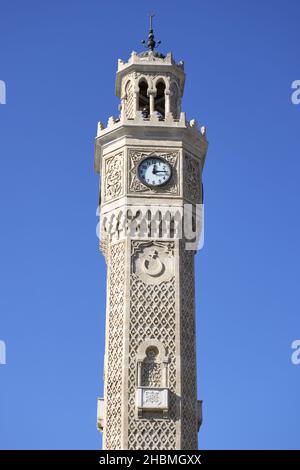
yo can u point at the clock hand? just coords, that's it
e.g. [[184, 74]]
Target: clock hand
[[154, 169]]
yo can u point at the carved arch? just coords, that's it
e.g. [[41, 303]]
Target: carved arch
[[152, 364], [161, 78], [145, 78]]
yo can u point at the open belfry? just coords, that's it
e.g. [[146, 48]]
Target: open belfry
[[150, 159]]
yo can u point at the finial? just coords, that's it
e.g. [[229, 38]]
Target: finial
[[151, 43]]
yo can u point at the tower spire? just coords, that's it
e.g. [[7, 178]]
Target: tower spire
[[151, 43]]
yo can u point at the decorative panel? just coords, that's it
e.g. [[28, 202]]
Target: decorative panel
[[136, 186], [152, 315], [115, 347], [113, 176], [192, 179], [189, 431]]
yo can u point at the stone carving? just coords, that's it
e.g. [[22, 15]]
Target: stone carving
[[151, 400], [128, 99], [152, 364], [189, 431], [114, 347], [153, 261], [135, 185], [192, 179], [152, 397], [143, 222], [151, 79], [175, 100], [152, 315], [113, 176], [151, 369], [151, 374]]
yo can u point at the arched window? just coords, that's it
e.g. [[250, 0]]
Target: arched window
[[144, 98], [159, 100]]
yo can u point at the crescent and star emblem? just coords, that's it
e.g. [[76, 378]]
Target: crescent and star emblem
[[152, 265]]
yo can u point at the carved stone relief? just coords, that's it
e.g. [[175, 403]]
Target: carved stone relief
[[152, 397], [151, 374], [189, 429], [153, 262], [152, 315], [113, 385], [175, 100], [113, 176], [192, 179], [152, 77], [129, 100]]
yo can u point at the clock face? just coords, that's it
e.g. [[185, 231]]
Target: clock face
[[154, 171]]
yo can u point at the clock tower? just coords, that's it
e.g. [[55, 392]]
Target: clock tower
[[150, 159]]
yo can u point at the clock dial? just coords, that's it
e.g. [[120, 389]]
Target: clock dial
[[154, 171]]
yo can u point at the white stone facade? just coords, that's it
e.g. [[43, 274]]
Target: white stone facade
[[150, 397]]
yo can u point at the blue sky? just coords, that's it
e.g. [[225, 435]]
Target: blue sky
[[58, 60]]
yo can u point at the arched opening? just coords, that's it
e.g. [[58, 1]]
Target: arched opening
[[151, 368], [144, 98], [159, 100]]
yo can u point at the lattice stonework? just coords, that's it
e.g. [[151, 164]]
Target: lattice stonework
[[188, 352], [192, 177], [151, 374], [114, 346], [129, 101], [152, 315]]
